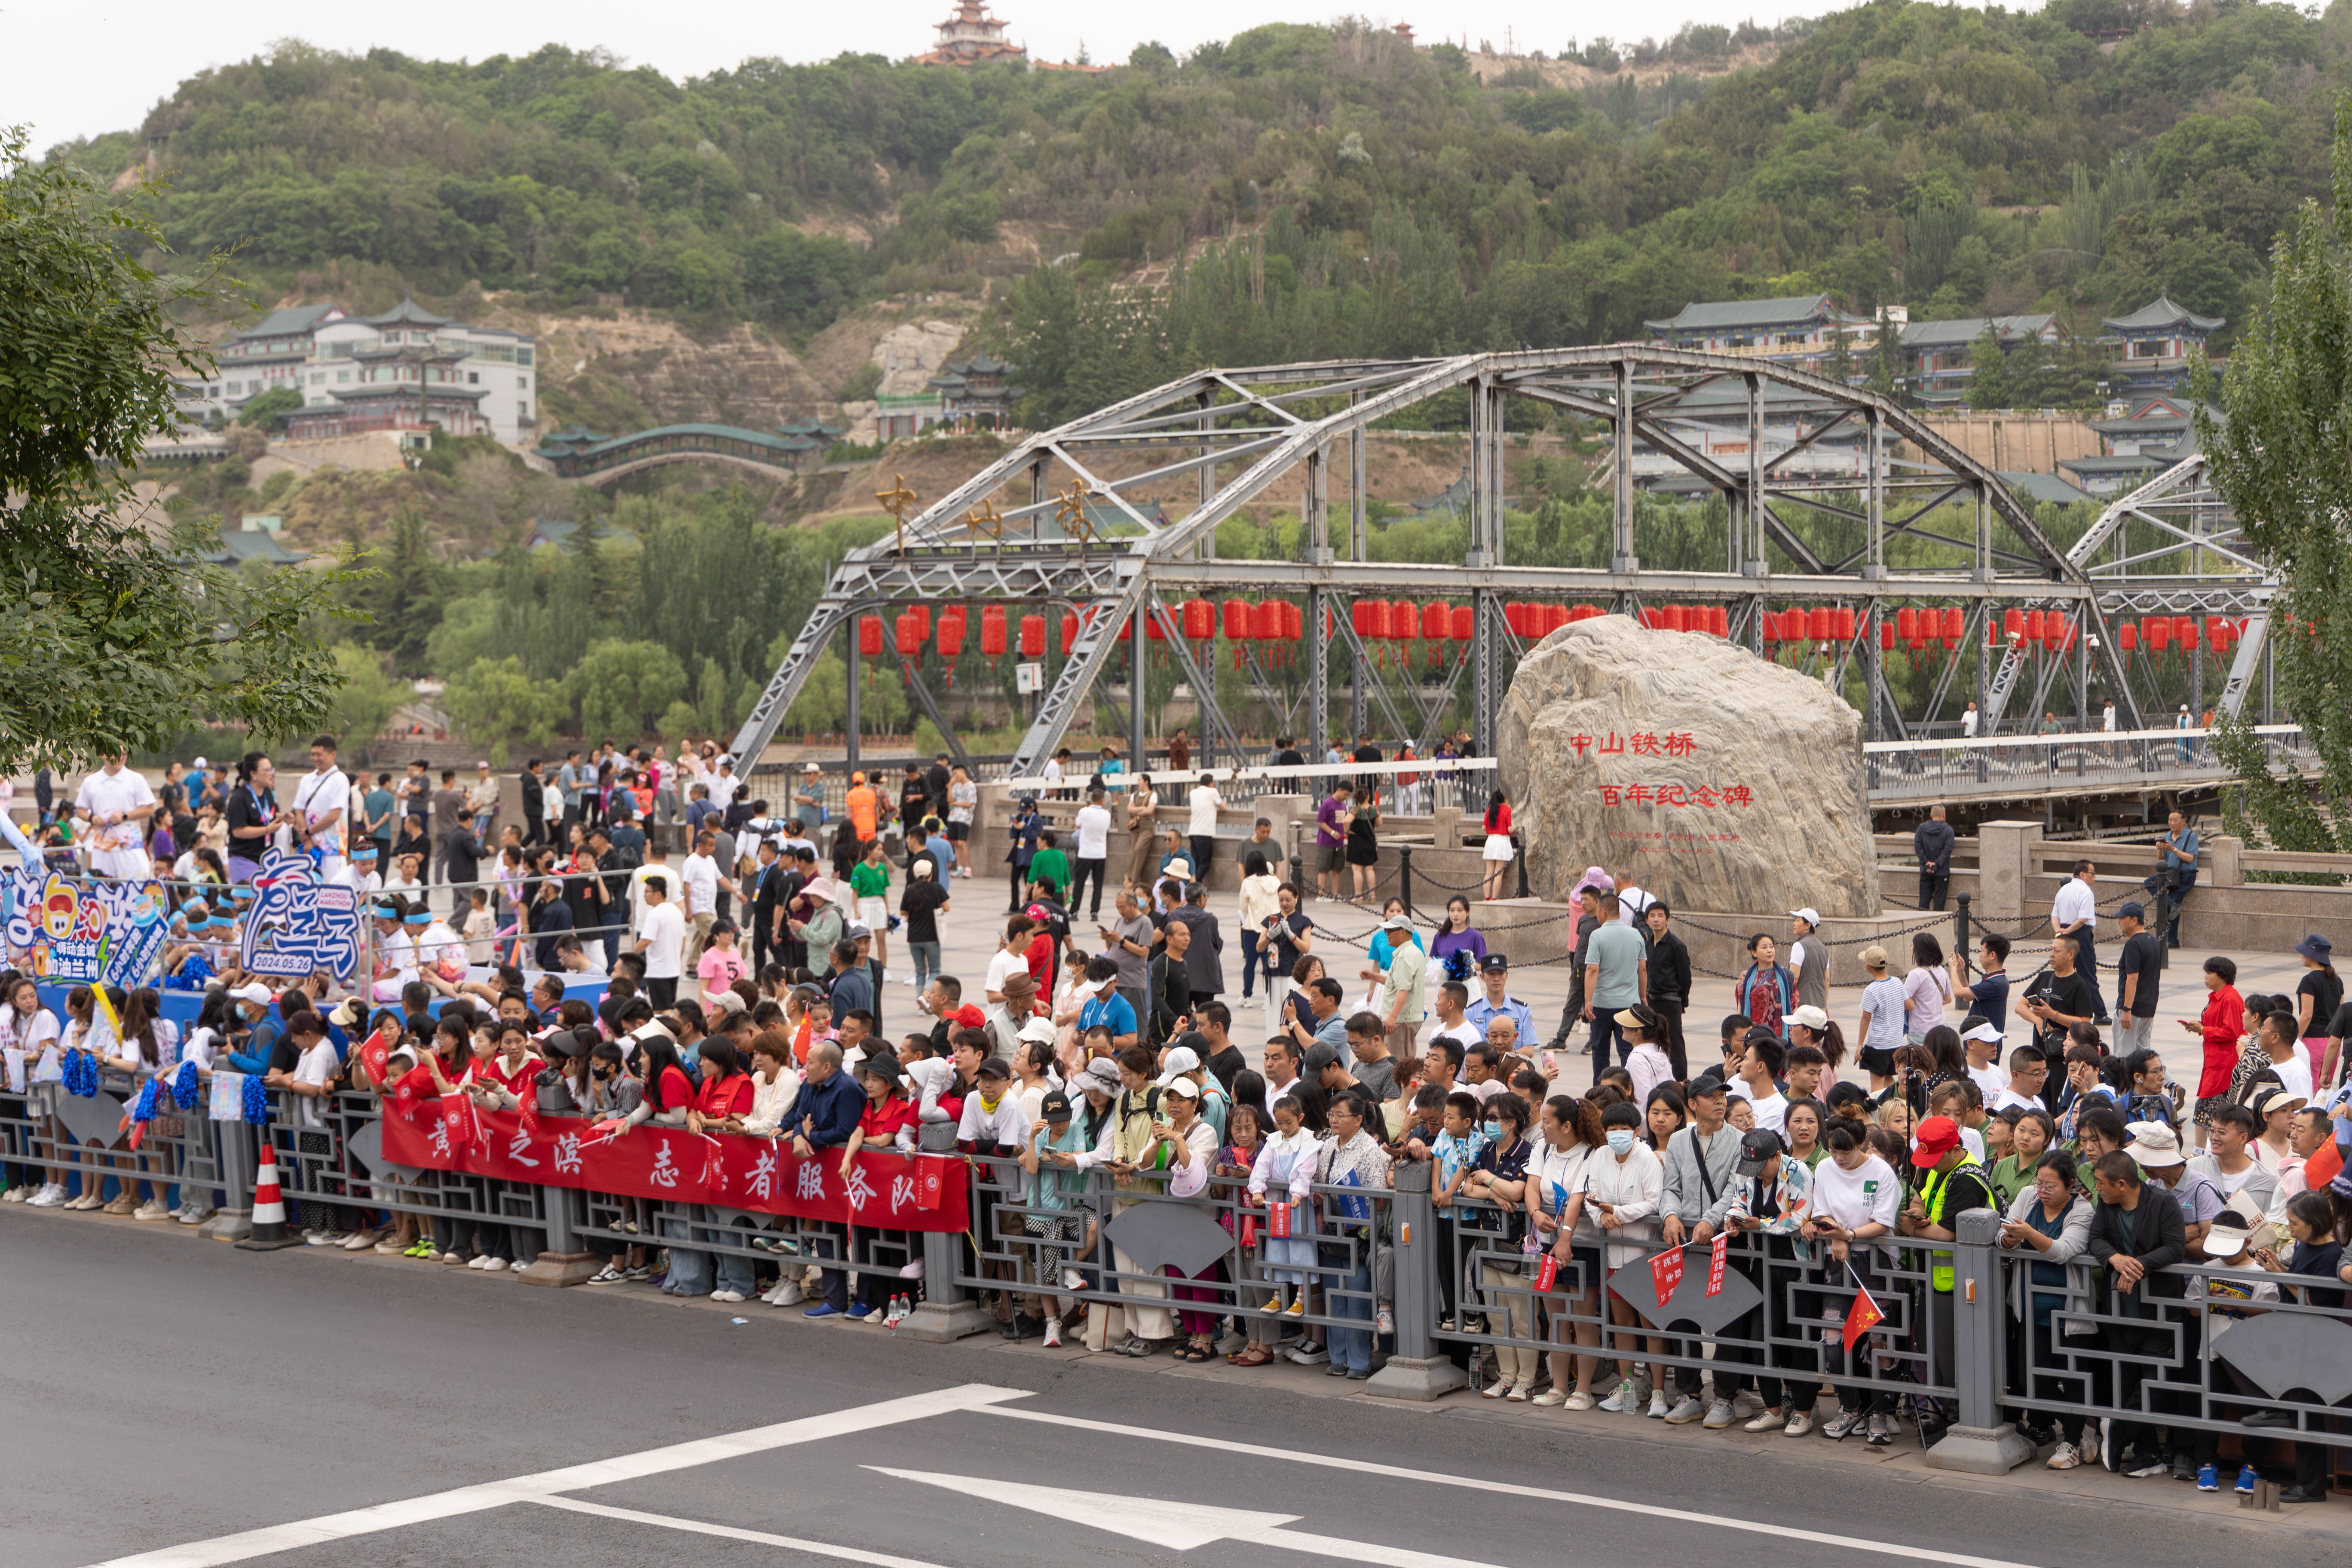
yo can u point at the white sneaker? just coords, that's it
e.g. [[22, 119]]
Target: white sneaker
[[1519, 1394], [49, 1197], [13, 1195], [1764, 1421], [727, 1295], [2065, 1456], [1621, 1400], [361, 1241], [478, 1260], [1719, 1415], [1686, 1409], [1384, 1322], [494, 1266], [1657, 1405], [194, 1213], [153, 1208], [1580, 1400], [1801, 1421], [1549, 1397], [1052, 1333], [787, 1293], [1747, 1402]]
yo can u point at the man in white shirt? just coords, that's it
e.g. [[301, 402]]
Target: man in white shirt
[[1093, 850], [724, 784], [1449, 1002], [1633, 904], [1983, 1043], [1763, 1059], [661, 939], [1969, 722], [322, 803], [1203, 805], [2075, 914], [703, 881], [117, 802]]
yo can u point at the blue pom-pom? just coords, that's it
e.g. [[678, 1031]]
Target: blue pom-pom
[[145, 1110], [256, 1102], [186, 1087], [81, 1074]]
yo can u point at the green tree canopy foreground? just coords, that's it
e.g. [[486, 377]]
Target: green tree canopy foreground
[[113, 631], [2281, 459]]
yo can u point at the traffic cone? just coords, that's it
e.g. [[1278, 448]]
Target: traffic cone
[[269, 1232]]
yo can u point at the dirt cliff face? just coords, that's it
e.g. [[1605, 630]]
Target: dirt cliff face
[[630, 370]]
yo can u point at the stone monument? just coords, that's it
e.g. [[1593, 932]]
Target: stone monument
[[1723, 782]]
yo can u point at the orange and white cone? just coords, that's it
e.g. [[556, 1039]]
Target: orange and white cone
[[269, 1231]]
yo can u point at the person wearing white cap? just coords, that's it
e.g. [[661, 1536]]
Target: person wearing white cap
[[1809, 960], [1983, 1042]]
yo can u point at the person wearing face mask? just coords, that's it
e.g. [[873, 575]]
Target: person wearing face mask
[[1622, 1193], [1499, 1179], [1854, 1199]]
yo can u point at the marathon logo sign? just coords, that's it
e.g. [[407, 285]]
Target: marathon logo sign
[[889, 1191], [66, 933]]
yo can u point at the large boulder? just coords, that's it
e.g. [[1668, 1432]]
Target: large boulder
[[1725, 782]]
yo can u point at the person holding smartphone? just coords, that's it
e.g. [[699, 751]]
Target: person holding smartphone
[[1285, 937]]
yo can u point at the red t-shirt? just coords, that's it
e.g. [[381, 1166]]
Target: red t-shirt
[[1039, 957], [519, 1082], [881, 1122], [677, 1089], [723, 1097]]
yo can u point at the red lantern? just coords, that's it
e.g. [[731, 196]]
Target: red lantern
[[951, 632], [1464, 622], [1236, 617], [2184, 632], [2012, 624], [1069, 633], [1155, 626], [2033, 626], [1845, 624], [1906, 623], [991, 631], [2157, 629], [1719, 620], [869, 636], [1819, 625], [911, 634], [923, 614], [1033, 637], [1266, 621], [1771, 626], [1885, 636], [1199, 620], [2128, 637], [1293, 620]]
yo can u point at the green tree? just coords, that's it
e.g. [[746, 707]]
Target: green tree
[[1989, 372], [112, 636], [2279, 460], [621, 688], [494, 701], [1838, 363], [403, 600], [264, 410], [823, 697], [367, 699], [1886, 356]]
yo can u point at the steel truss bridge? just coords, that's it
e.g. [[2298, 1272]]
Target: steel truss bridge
[[1079, 520]]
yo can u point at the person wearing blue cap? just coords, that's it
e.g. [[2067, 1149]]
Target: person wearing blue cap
[[395, 953]]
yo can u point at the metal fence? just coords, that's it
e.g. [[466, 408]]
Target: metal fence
[[1419, 1300], [1901, 770]]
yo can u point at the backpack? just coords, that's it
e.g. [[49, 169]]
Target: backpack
[[628, 849]]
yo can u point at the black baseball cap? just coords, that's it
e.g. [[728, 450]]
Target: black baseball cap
[[1757, 1148], [1056, 1107]]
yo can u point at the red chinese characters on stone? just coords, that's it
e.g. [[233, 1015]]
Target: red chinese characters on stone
[[1731, 796]]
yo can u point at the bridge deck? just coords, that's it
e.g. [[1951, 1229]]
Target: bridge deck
[[2045, 767]]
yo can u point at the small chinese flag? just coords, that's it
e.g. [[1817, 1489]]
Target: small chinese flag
[[1861, 1317]]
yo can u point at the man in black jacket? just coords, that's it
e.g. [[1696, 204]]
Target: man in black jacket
[[1932, 842], [1669, 982], [2136, 1233]]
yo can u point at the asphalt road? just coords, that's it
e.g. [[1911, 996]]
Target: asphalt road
[[162, 1392]]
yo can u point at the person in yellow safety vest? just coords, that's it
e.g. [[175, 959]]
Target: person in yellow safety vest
[[864, 806], [1951, 1183]]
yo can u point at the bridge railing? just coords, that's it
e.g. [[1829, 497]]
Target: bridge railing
[[1898, 770]]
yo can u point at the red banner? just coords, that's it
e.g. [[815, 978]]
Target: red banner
[[1667, 1273], [888, 1191], [1721, 1247]]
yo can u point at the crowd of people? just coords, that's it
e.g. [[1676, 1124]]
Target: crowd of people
[[1102, 1059]]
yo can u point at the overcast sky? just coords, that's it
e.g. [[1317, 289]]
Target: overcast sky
[[91, 66]]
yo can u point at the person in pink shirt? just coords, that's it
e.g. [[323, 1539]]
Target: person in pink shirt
[[721, 965]]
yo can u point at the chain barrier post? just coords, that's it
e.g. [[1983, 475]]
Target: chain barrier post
[[1416, 1372], [1404, 877], [1980, 1443], [1960, 929], [2163, 923], [1519, 856]]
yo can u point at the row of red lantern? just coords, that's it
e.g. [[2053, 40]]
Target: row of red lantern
[[2158, 633], [1809, 626], [1713, 619]]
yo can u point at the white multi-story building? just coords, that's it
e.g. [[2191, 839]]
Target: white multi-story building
[[405, 369]]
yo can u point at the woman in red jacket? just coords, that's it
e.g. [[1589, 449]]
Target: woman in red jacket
[[719, 1104], [2222, 1027]]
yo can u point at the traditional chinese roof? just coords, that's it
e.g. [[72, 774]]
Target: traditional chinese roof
[[2161, 311], [407, 313], [2044, 487], [1968, 328], [1733, 315], [288, 321]]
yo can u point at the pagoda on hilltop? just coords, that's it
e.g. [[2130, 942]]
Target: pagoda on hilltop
[[972, 36]]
